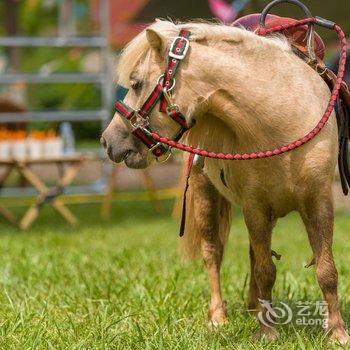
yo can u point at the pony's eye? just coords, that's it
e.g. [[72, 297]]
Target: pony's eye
[[136, 84]]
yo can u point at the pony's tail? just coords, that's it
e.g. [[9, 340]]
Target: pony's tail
[[196, 222]]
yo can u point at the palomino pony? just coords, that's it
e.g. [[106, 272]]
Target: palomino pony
[[246, 93]]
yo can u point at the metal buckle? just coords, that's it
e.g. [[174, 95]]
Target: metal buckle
[[155, 146], [170, 104], [172, 85], [179, 56], [321, 70], [171, 108], [163, 158], [137, 120]]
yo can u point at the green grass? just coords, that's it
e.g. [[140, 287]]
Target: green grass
[[122, 284]]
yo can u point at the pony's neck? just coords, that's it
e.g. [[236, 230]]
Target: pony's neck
[[261, 95]]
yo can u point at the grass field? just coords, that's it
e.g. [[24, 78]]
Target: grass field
[[122, 285]]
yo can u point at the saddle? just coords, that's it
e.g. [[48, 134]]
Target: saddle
[[298, 39], [296, 36]]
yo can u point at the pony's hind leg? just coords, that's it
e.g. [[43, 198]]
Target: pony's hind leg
[[260, 224], [211, 213], [318, 217]]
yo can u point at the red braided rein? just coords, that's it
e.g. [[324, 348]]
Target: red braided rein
[[293, 145]]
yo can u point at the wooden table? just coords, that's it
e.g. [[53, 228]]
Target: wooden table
[[68, 167]]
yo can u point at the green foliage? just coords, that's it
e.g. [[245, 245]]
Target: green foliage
[[34, 19], [122, 284], [64, 97], [31, 11], [67, 97]]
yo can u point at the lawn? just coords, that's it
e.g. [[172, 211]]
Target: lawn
[[122, 284]]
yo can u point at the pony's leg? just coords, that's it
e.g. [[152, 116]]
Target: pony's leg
[[253, 302], [260, 224], [318, 217], [207, 206]]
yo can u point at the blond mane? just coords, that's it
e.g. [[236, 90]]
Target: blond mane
[[138, 49]]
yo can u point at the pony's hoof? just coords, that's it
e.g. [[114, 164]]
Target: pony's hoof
[[266, 333], [339, 336], [217, 318]]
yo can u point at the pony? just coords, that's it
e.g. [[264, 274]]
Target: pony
[[246, 93]]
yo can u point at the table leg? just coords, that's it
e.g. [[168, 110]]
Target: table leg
[[107, 199], [65, 212], [3, 211], [33, 212], [68, 176], [8, 215], [5, 175], [148, 181], [45, 197]]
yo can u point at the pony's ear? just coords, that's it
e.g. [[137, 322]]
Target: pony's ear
[[156, 40]]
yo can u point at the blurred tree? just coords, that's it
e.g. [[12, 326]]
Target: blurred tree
[[32, 10], [11, 28]]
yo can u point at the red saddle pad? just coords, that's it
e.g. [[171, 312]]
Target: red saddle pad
[[296, 36]]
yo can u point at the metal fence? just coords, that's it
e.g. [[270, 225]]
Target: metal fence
[[103, 78]]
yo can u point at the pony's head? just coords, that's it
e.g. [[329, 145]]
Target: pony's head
[[200, 75], [141, 64]]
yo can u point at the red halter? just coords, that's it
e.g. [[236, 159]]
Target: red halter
[[139, 119]]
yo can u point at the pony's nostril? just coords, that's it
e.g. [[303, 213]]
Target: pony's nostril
[[103, 142], [109, 152]]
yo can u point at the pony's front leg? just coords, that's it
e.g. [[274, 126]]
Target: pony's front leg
[[260, 224], [211, 213], [212, 251]]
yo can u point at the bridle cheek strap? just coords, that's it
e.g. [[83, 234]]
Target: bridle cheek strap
[[139, 119], [177, 53]]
